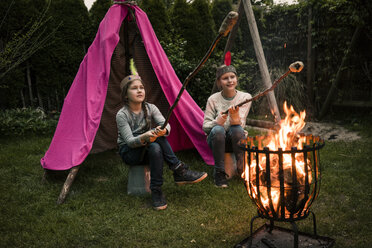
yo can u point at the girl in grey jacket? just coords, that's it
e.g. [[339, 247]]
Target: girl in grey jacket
[[140, 144]]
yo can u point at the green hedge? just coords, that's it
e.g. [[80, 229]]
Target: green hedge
[[24, 121]]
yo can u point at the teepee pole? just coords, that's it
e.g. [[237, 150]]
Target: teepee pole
[[261, 57], [67, 185]]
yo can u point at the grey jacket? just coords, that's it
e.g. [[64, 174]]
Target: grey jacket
[[131, 125]]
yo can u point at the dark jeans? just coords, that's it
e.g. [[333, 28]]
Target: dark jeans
[[221, 141], [155, 155]]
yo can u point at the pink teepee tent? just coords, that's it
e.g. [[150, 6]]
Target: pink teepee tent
[[88, 115]]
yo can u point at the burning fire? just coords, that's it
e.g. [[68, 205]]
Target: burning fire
[[285, 139]]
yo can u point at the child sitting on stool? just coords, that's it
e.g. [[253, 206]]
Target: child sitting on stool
[[139, 144], [225, 130]]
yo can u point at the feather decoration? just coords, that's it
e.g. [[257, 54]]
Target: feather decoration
[[132, 67], [228, 58]]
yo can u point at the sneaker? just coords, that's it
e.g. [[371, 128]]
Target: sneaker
[[220, 179], [158, 199], [183, 175]]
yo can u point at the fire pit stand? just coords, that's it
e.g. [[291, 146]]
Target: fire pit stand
[[271, 227], [268, 236], [283, 184]]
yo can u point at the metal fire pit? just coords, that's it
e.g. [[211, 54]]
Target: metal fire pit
[[282, 183]]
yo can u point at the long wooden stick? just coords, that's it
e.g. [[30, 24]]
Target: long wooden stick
[[226, 26], [187, 80], [294, 67]]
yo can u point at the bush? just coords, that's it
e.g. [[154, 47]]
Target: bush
[[199, 86], [16, 122]]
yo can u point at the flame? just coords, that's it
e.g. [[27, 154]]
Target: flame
[[285, 139]]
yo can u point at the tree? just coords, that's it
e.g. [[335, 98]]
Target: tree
[[25, 30], [220, 8], [180, 18], [96, 14], [157, 13], [18, 44], [55, 67], [203, 28]]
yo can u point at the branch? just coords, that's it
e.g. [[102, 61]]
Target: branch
[[22, 47]]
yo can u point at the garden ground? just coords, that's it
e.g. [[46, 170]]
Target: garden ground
[[99, 213]]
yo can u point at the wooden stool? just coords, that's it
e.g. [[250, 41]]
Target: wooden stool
[[230, 165], [138, 180]]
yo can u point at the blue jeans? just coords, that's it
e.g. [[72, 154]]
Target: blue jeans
[[154, 154], [221, 141]]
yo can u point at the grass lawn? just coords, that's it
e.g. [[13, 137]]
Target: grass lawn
[[99, 213]]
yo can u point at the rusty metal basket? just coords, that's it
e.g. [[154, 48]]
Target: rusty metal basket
[[283, 190]]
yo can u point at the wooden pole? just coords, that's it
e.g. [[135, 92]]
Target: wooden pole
[[67, 185], [45, 176], [342, 67], [22, 98], [261, 58]]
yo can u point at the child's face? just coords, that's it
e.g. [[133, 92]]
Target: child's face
[[136, 92], [228, 81]]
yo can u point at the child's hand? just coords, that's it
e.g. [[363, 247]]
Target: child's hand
[[234, 115], [152, 139], [149, 136], [160, 132], [221, 118]]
